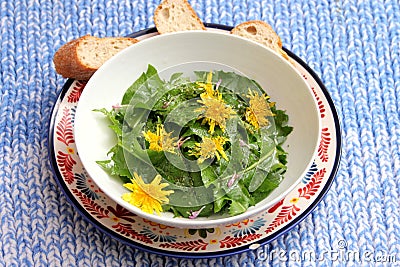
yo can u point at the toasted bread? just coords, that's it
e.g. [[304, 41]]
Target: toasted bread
[[81, 57], [261, 32], [176, 15]]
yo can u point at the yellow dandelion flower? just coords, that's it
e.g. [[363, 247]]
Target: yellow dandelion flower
[[215, 112], [208, 87], [209, 148], [147, 197], [161, 140], [258, 111]]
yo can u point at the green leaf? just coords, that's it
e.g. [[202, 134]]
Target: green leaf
[[184, 113], [208, 176], [220, 203], [133, 88], [116, 166], [271, 182], [115, 119], [240, 200], [196, 128], [145, 91]]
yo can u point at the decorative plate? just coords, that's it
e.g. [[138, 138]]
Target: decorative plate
[[140, 233]]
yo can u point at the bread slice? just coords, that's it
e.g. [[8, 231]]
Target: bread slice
[[176, 15], [81, 57], [261, 32]]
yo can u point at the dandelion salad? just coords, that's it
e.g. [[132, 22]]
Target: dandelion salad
[[196, 146]]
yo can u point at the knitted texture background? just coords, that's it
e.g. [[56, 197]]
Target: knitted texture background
[[354, 47]]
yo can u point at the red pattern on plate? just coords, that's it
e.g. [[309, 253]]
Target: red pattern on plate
[[122, 213], [320, 104], [65, 129], [285, 215], [76, 92], [309, 190], [194, 245], [324, 145], [127, 230], [313, 185], [91, 206], [276, 206], [232, 241], [66, 164]]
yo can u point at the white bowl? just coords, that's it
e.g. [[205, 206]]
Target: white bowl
[[189, 51]]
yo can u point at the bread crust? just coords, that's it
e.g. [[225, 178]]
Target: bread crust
[[257, 23], [158, 21], [261, 24], [67, 61]]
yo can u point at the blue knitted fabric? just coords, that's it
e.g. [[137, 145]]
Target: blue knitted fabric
[[353, 46]]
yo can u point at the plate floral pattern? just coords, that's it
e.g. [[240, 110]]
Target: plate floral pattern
[[192, 243]]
